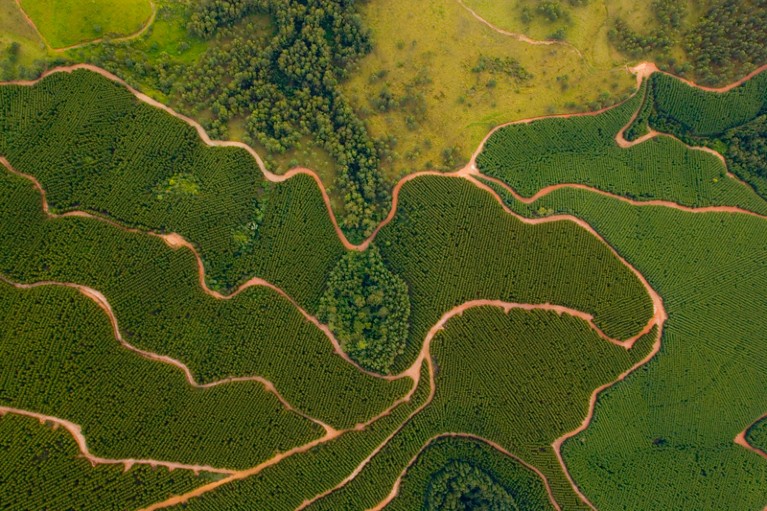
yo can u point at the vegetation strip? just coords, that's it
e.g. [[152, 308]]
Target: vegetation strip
[[652, 202], [76, 432], [424, 357], [467, 172]]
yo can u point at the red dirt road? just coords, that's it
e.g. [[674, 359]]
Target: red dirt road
[[82, 444], [469, 172]]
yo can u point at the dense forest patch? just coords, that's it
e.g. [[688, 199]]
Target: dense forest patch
[[368, 308]]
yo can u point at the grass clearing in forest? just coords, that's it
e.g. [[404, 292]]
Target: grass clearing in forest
[[422, 89], [68, 22]]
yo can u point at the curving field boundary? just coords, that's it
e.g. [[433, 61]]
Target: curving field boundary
[[468, 172], [135, 35]]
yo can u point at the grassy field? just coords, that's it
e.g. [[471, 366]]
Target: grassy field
[[42, 468], [20, 45], [64, 23], [439, 103]]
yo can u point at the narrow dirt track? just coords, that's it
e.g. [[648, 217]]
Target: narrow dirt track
[[395, 489], [135, 35], [82, 444], [425, 357], [741, 440], [468, 172], [654, 202], [102, 302]]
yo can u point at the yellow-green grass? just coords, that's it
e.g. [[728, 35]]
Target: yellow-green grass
[[65, 23], [586, 28], [441, 41], [15, 29]]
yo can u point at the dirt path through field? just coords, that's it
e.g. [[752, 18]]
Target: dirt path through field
[[469, 172], [148, 23], [102, 302], [395, 489], [425, 357], [641, 203], [82, 444], [742, 441]]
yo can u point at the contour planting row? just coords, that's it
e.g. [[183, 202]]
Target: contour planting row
[[583, 150], [287, 485], [41, 468], [452, 243], [155, 294], [95, 147], [732, 121], [454, 470], [59, 357], [518, 378], [681, 412]]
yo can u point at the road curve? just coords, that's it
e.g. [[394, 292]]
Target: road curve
[[76, 431]]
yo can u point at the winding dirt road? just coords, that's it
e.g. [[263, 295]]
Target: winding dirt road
[[102, 302], [470, 173], [395, 489], [82, 444], [742, 441]]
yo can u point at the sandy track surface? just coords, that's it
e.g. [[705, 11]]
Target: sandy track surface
[[395, 489], [425, 357], [468, 172], [148, 23], [82, 444], [102, 302], [741, 440], [641, 203]]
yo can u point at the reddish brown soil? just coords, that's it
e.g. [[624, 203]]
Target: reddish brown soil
[[82, 444], [469, 172]]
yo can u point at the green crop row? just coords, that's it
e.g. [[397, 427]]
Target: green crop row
[[582, 150], [95, 147], [58, 357], [41, 468], [522, 487], [451, 242], [156, 296], [692, 112], [681, 412], [283, 487], [520, 379]]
